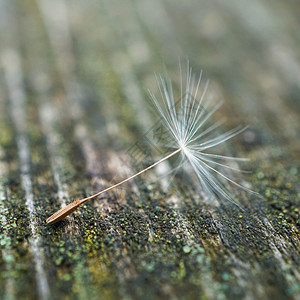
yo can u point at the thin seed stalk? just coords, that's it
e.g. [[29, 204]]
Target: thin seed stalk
[[66, 210]]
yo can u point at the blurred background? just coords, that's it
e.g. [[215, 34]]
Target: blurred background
[[73, 80], [107, 51]]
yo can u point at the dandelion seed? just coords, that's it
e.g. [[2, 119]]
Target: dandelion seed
[[191, 135]]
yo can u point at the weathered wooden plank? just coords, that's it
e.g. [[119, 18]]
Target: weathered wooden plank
[[72, 103]]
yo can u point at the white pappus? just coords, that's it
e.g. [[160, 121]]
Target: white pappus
[[191, 132]]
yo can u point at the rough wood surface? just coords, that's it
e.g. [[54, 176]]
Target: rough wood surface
[[72, 102]]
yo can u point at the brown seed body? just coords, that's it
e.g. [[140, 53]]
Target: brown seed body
[[63, 212]]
